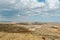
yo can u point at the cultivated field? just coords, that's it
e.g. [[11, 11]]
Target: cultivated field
[[29, 31]]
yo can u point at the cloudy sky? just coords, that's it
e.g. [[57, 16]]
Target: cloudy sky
[[30, 10]]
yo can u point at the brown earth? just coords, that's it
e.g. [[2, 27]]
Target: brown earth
[[22, 32]]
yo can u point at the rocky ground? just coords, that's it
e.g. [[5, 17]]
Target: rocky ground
[[29, 32]]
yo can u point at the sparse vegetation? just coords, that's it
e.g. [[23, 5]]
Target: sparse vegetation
[[20, 31]]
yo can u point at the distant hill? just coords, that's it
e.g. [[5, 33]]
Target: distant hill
[[7, 22]]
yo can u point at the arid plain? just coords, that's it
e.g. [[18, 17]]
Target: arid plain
[[29, 31]]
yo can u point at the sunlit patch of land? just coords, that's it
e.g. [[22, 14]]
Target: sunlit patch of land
[[29, 31]]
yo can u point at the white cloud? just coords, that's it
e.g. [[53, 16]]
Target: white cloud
[[52, 4], [29, 4], [26, 8], [12, 1], [56, 15]]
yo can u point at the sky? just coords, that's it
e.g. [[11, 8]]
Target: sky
[[30, 10]]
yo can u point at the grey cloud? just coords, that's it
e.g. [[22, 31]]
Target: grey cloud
[[24, 9]]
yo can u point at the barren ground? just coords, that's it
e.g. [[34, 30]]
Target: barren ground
[[22, 32]]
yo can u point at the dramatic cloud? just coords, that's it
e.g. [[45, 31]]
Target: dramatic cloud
[[52, 4], [20, 9]]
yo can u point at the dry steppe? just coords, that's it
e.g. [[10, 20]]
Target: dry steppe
[[29, 31]]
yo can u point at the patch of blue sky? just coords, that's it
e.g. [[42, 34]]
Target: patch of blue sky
[[41, 0]]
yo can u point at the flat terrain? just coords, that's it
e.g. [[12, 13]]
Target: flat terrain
[[48, 31]]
